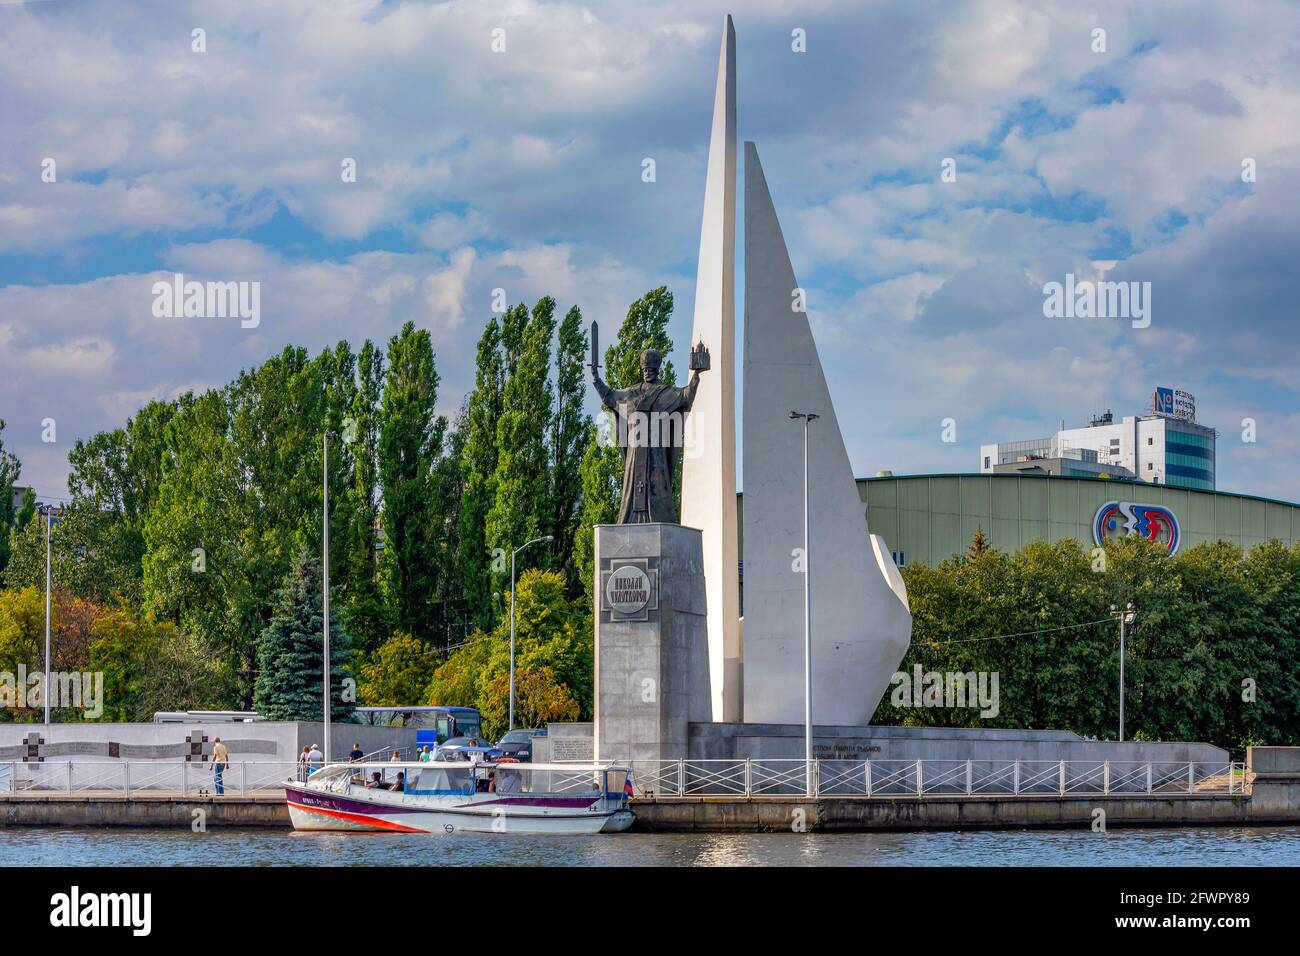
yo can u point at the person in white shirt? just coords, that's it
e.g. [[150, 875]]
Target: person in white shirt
[[315, 759]]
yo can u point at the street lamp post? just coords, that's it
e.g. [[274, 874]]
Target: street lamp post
[[548, 537], [1126, 617], [325, 588], [808, 418], [48, 512]]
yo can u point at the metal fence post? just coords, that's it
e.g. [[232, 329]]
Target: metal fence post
[[184, 780], [69, 778], [816, 782], [1191, 777], [919, 789], [243, 778], [1105, 778], [749, 778], [126, 778], [968, 777], [1062, 780], [681, 778], [868, 771], [1148, 777], [1015, 778]]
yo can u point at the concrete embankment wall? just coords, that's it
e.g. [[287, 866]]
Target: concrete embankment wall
[[143, 811], [1273, 798]]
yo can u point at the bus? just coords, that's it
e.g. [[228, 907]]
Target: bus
[[433, 725]]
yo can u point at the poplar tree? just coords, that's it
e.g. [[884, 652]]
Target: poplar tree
[[569, 432], [410, 444], [479, 465], [519, 511], [365, 612]]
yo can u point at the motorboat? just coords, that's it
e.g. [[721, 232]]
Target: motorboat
[[451, 796]]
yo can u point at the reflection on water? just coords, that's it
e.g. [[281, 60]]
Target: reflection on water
[[1237, 846]]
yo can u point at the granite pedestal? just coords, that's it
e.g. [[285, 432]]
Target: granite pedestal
[[652, 645]]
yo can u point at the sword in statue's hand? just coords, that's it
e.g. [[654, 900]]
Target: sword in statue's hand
[[595, 348]]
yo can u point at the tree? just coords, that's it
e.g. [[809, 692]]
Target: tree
[[364, 610], [410, 443], [520, 510], [554, 644], [646, 326], [569, 433], [397, 674], [288, 685], [151, 665], [10, 468], [479, 465]]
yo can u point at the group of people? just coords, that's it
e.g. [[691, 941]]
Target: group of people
[[309, 761]]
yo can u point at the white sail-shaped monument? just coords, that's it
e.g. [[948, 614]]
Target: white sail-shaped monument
[[861, 625], [709, 460]]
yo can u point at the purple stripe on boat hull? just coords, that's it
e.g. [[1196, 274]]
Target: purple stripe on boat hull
[[333, 801]]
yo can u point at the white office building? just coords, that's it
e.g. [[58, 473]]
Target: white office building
[[1164, 445]]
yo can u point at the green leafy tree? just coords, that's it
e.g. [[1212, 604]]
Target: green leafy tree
[[397, 673], [520, 510], [10, 468], [364, 609], [569, 436], [479, 465], [410, 444], [553, 644], [288, 685], [151, 665]]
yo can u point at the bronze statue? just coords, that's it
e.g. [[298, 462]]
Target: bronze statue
[[650, 419]]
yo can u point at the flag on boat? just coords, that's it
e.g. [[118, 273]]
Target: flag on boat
[[627, 785]]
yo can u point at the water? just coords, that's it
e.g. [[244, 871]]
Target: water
[[1236, 846]]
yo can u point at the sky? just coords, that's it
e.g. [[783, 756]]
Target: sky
[[522, 169]]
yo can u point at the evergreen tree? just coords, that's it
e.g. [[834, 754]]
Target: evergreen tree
[[479, 465], [410, 444], [569, 431], [646, 326], [520, 510], [288, 685]]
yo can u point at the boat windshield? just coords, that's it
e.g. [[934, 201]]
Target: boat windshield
[[443, 778]]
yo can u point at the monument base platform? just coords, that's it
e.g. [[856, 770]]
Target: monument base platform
[[652, 646], [741, 741]]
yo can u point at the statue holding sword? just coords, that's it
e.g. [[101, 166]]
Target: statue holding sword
[[650, 419]]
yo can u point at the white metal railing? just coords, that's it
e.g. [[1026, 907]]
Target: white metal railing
[[745, 779], [183, 778]]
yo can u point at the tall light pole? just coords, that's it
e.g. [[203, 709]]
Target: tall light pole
[[1126, 617], [325, 586], [548, 537], [48, 512], [808, 418]]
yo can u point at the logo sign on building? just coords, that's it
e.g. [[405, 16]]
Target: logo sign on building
[[1174, 403], [1116, 519]]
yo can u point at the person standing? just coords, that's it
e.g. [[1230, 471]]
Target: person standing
[[220, 758], [356, 753], [302, 764], [315, 759]]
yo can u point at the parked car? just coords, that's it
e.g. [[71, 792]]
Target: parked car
[[519, 744], [459, 748]]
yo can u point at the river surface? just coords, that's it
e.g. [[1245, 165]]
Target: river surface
[[1218, 846]]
